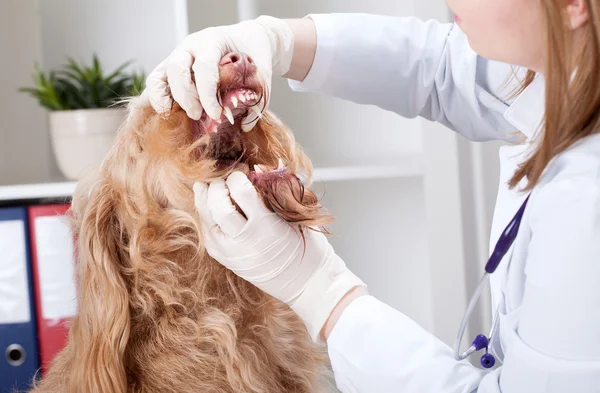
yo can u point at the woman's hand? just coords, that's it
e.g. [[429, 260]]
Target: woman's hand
[[190, 74], [270, 253]]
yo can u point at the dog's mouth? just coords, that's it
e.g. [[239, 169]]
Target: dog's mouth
[[240, 94], [226, 145]]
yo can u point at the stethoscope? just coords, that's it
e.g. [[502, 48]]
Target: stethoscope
[[480, 342]]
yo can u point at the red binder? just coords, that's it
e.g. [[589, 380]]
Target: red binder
[[53, 257]]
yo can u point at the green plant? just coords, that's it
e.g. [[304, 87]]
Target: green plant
[[78, 86]]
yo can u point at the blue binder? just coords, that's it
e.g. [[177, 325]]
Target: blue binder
[[19, 358]]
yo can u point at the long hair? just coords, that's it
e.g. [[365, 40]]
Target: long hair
[[155, 312], [572, 78]]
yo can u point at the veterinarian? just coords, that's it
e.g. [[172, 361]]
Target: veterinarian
[[546, 288]]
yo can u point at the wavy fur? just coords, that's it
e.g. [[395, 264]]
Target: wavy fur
[[155, 312]]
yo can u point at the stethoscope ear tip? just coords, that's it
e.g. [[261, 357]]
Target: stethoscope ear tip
[[488, 360]]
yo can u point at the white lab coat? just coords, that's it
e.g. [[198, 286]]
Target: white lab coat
[[549, 298]]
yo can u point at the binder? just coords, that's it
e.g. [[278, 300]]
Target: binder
[[19, 360], [52, 249]]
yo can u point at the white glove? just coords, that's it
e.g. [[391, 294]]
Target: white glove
[[269, 252], [267, 40]]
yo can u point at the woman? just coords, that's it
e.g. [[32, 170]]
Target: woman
[[548, 300]]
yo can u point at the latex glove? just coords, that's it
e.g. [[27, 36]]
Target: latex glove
[[269, 252], [268, 41]]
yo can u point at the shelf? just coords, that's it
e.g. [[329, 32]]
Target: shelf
[[408, 167], [367, 172], [37, 191]]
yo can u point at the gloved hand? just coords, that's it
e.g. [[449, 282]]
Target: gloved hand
[[268, 252], [267, 40]]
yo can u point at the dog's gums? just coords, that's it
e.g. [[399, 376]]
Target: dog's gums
[[156, 314]]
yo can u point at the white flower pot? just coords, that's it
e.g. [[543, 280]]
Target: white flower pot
[[82, 138]]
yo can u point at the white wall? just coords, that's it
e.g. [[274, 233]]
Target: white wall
[[116, 30], [338, 132], [24, 143], [48, 31], [205, 13], [379, 232]]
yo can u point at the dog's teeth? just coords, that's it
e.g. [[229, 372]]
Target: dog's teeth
[[229, 114], [242, 97], [257, 169], [248, 96], [280, 164], [234, 101]]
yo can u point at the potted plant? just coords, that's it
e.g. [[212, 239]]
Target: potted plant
[[86, 110]]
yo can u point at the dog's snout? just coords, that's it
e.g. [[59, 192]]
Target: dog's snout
[[230, 58], [241, 61]]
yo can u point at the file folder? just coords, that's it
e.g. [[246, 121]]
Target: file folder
[[19, 360], [52, 249]]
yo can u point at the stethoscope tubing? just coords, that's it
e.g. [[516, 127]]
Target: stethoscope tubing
[[465, 320], [502, 247]]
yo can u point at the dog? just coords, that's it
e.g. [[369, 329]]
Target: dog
[[156, 314]]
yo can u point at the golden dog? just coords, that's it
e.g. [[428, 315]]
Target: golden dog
[[156, 314]]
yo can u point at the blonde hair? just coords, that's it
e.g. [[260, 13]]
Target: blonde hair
[[572, 101]]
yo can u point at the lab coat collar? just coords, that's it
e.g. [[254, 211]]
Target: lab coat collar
[[526, 113]]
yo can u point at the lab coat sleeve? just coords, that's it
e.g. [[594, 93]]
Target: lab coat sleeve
[[551, 340], [376, 349], [412, 68]]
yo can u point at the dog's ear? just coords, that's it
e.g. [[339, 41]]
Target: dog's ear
[[101, 329]]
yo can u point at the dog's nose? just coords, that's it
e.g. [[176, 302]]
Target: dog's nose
[[239, 60]]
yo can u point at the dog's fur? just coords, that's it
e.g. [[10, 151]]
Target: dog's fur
[[155, 312]]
